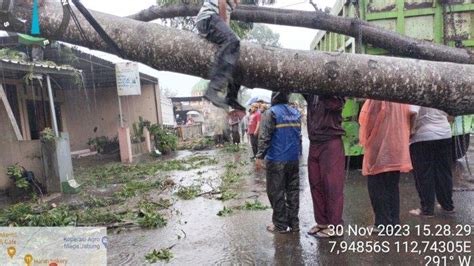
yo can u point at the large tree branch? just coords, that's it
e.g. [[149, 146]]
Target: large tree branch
[[393, 42], [445, 86]]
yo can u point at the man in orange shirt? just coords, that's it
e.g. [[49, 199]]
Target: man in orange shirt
[[385, 134]]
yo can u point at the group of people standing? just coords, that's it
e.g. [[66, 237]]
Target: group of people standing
[[397, 138], [280, 144]]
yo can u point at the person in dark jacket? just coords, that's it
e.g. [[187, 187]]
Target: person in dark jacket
[[279, 142], [212, 23], [325, 161]]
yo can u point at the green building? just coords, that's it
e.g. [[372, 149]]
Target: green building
[[449, 22]]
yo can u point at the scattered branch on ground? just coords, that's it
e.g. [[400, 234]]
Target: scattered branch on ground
[[256, 205], [149, 217], [232, 148], [119, 173], [189, 192]]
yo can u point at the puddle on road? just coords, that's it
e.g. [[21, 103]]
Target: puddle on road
[[200, 237]]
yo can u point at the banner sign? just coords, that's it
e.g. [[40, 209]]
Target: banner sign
[[128, 78]]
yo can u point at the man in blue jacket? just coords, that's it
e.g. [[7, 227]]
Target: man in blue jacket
[[279, 142]]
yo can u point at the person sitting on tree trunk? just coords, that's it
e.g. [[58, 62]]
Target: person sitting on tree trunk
[[279, 142], [212, 23]]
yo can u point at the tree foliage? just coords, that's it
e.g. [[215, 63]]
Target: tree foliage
[[262, 34]]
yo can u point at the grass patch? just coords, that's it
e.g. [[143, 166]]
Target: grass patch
[[188, 193], [163, 254], [225, 212], [256, 205]]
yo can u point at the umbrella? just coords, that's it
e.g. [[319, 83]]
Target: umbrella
[[193, 113], [262, 98], [252, 100]]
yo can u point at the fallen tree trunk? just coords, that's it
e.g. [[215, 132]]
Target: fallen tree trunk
[[445, 86], [393, 42]]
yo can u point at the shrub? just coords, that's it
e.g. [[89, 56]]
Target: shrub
[[165, 139], [16, 173]]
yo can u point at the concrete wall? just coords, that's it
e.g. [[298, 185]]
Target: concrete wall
[[26, 153], [97, 114], [84, 115]]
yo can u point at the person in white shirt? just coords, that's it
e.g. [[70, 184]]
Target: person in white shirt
[[430, 151]]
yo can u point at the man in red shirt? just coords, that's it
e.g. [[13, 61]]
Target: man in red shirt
[[252, 130]]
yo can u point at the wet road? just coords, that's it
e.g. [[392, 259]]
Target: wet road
[[200, 237]]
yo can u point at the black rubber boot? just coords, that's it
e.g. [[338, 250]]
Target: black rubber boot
[[231, 98], [235, 104], [216, 97]]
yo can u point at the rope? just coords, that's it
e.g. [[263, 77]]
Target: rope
[[78, 25], [105, 37]]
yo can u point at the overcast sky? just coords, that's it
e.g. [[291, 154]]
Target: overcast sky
[[290, 37]]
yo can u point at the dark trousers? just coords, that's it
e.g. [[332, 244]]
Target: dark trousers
[[283, 183], [219, 139], [385, 197], [217, 31], [431, 162], [235, 134], [254, 143], [326, 180]]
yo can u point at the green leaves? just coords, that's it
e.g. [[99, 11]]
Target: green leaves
[[15, 172], [256, 205], [225, 212], [149, 217], [163, 254], [188, 193]]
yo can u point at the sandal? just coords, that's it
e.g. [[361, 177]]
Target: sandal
[[324, 233], [315, 229], [419, 212]]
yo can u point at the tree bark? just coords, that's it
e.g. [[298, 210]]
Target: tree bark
[[393, 42], [446, 86]]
